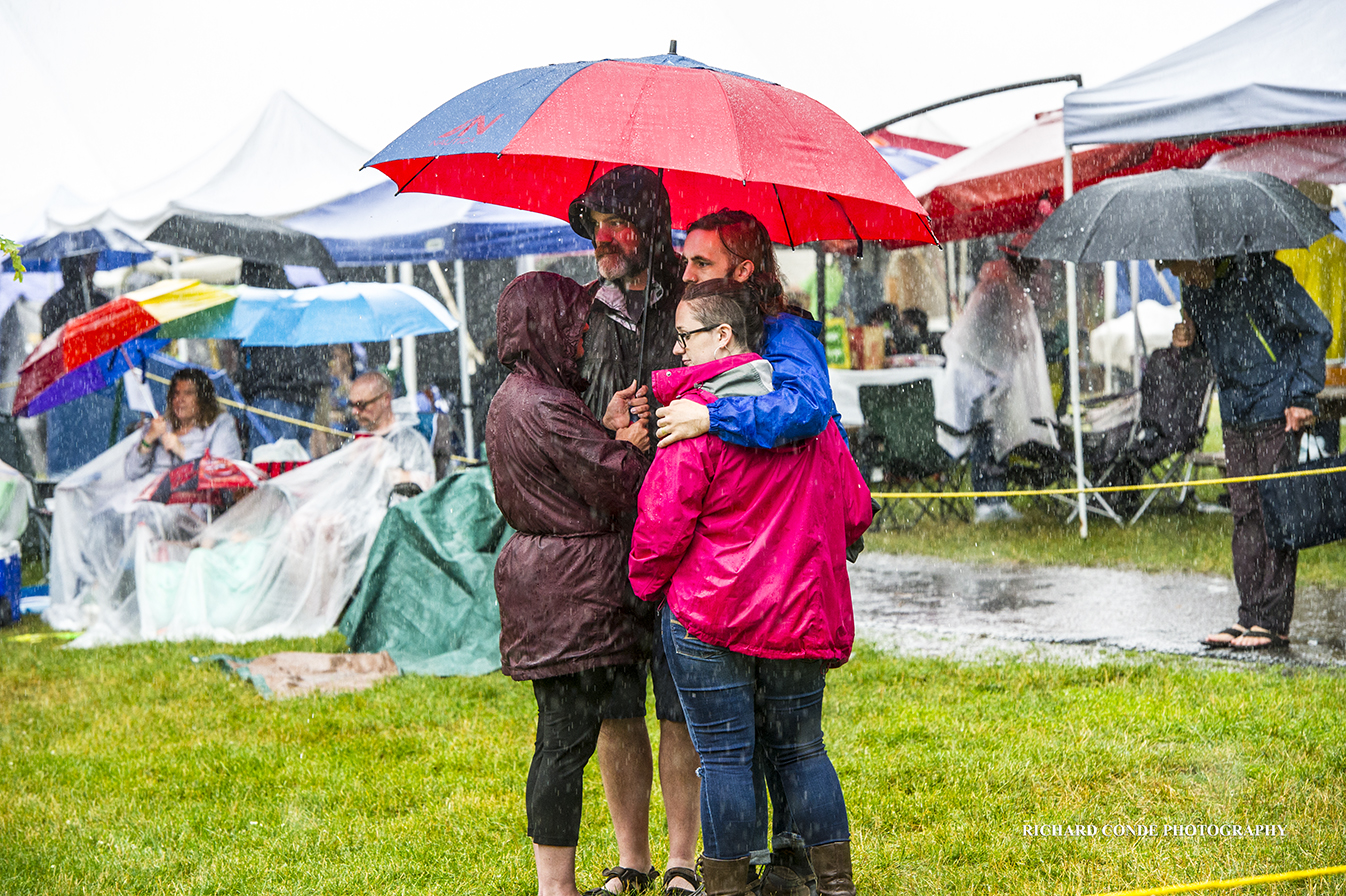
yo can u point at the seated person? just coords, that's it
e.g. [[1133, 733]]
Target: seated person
[[371, 402], [191, 425], [98, 508]]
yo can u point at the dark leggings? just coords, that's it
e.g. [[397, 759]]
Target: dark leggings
[[569, 715]]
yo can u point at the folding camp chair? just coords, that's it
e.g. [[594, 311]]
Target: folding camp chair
[[902, 444], [1161, 440]]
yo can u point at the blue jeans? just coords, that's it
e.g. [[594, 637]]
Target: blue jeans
[[731, 701]]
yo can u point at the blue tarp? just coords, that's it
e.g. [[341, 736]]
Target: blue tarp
[[1150, 290], [377, 226], [1281, 67]]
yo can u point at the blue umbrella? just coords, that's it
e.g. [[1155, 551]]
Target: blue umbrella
[[115, 250], [327, 315]]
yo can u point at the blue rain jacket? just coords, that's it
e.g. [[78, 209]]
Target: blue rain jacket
[[1266, 339], [801, 403]]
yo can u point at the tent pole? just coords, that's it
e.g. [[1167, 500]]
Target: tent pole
[[406, 278], [951, 269], [464, 367], [1072, 321], [394, 347], [1137, 350], [1109, 313]]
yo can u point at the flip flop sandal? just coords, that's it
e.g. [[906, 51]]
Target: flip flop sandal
[[1273, 641], [687, 874], [1234, 631], [633, 881]]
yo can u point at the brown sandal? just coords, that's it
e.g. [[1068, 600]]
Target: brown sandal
[[687, 874], [633, 881]]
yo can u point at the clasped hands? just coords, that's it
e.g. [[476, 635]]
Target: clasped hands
[[626, 404]]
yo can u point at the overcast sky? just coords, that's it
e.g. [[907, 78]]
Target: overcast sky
[[107, 95]]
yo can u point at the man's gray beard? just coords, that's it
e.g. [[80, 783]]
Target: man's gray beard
[[632, 266]]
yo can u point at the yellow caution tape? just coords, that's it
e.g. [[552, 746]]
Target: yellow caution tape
[[1230, 884], [292, 420], [1109, 489]]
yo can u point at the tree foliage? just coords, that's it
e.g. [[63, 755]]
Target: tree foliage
[[11, 248]]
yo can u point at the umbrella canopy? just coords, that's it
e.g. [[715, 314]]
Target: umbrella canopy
[[376, 226], [323, 315], [1180, 215], [89, 352], [115, 250], [247, 237], [537, 138], [206, 480]]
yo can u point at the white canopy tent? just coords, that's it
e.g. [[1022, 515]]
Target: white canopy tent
[[284, 162], [1280, 68]]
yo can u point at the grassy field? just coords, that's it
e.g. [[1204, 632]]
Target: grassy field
[[135, 770]]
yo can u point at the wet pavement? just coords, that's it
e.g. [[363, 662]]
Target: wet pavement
[[930, 607]]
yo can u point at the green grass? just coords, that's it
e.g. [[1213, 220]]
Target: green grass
[[132, 770]]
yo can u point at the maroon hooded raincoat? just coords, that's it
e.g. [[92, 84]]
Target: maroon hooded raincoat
[[567, 487]]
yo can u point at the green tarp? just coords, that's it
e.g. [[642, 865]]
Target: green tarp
[[428, 593]]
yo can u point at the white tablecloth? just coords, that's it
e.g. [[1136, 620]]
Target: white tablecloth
[[846, 386]]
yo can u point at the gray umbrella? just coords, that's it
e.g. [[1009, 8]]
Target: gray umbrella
[[247, 237], [1180, 214]]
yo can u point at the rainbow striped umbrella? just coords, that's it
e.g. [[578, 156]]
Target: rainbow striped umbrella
[[91, 351]]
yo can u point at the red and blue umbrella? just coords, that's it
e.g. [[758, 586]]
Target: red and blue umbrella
[[535, 139], [206, 480]]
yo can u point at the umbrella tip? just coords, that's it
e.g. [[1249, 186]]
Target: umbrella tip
[[672, 48]]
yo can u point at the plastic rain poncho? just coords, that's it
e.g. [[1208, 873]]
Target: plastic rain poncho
[[281, 563], [994, 353], [95, 518]]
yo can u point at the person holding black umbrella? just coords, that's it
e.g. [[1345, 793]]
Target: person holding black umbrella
[[1267, 341]]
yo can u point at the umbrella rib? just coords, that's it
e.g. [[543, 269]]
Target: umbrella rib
[[784, 220], [860, 243], [427, 164]]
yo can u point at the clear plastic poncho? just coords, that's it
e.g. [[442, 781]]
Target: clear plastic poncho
[[994, 353], [281, 563]]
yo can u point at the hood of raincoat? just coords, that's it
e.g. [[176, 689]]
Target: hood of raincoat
[[539, 323], [745, 374], [637, 194]]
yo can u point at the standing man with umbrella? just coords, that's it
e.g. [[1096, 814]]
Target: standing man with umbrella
[[1267, 341], [630, 332], [1216, 231]]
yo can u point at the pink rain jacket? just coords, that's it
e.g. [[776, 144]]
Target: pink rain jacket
[[749, 544]]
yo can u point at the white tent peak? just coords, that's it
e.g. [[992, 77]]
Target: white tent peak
[[283, 162], [1281, 66]]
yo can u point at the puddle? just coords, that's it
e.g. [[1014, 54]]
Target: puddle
[[931, 607]]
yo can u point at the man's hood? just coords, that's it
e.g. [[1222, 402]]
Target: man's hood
[[637, 194], [539, 324], [734, 375]]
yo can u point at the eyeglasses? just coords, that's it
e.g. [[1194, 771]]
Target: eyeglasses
[[361, 405], [682, 337]]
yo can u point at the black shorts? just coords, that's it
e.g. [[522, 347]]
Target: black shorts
[[627, 698]]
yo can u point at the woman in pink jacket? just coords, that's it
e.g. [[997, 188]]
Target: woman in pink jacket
[[748, 546]]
